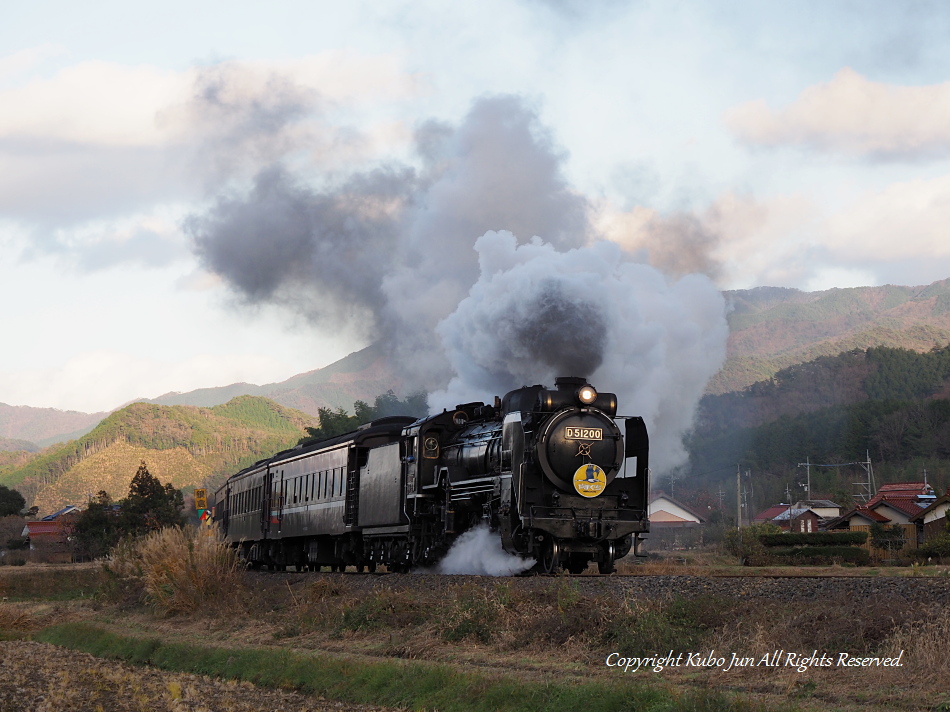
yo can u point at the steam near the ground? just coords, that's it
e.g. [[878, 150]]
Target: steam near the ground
[[478, 552]]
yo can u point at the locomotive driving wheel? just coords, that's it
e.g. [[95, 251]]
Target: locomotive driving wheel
[[606, 564], [550, 556]]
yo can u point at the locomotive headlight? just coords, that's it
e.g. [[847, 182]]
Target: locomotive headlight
[[587, 395]]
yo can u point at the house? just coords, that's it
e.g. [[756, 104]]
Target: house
[[895, 504], [664, 511], [798, 519], [769, 514], [932, 520], [51, 528], [824, 508]]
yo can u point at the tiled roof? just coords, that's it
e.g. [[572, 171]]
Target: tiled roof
[[56, 515], [771, 513], [906, 488], [930, 507], [866, 513], [679, 504], [907, 505], [791, 513], [822, 503]]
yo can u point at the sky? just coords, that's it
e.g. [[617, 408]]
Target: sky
[[800, 145]]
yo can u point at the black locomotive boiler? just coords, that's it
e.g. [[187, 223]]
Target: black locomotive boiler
[[548, 470]]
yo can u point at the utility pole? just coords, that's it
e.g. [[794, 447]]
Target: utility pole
[[807, 466], [738, 498]]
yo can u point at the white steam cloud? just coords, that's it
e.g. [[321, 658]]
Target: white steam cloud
[[478, 552], [388, 253], [536, 313]]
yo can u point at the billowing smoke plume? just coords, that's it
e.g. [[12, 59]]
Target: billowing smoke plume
[[471, 265], [393, 246], [537, 313]]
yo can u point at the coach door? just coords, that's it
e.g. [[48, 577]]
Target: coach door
[[268, 514]]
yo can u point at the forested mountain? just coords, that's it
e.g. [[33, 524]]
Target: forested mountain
[[771, 328], [889, 405], [184, 445]]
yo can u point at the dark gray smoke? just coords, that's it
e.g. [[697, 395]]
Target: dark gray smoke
[[537, 313], [325, 254], [557, 327], [391, 247], [470, 266]]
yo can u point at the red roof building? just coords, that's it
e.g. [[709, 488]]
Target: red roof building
[[771, 513]]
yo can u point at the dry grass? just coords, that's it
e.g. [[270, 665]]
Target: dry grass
[[924, 642], [180, 570]]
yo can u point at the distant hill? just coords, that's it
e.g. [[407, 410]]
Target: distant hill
[[42, 426], [13, 445], [184, 445], [889, 404], [771, 328], [880, 374], [362, 375]]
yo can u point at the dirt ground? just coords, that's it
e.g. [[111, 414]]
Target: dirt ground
[[303, 612], [36, 677]]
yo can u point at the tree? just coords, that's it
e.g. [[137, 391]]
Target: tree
[[96, 529], [338, 422], [149, 506], [887, 538], [11, 501]]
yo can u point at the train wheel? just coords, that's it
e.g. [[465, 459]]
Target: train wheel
[[606, 564], [550, 557]]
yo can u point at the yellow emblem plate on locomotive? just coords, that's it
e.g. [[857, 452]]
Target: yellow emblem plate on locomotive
[[590, 480]]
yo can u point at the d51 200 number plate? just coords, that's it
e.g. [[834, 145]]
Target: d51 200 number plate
[[584, 433]]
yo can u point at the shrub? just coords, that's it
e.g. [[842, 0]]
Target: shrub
[[18, 542], [936, 548], [814, 539], [823, 554], [179, 570], [746, 542]]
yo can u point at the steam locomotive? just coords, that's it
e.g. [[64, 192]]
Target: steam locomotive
[[548, 470]]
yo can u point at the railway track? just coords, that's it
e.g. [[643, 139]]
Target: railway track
[[930, 590]]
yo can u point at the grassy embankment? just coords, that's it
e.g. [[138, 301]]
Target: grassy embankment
[[471, 644]]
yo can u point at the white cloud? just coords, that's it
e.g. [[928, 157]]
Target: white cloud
[[99, 380], [839, 277], [15, 65], [110, 104], [905, 220], [855, 116], [737, 239]]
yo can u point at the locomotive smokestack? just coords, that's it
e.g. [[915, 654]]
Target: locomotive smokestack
[[569, 383]]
